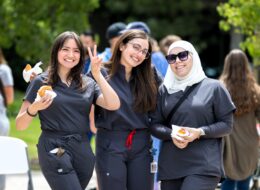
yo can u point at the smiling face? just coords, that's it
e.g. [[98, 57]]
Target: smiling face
[[181, 68], [134, 52], [68, 55]]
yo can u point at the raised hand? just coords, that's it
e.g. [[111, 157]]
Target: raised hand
[[95, 61]]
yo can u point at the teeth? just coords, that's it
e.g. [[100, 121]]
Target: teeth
[[135, 59], [69, 60]]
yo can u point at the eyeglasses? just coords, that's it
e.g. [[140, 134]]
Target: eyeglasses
[[137, 48], [183, 56]]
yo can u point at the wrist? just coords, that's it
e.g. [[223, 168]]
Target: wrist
[[31, 112], [97, 77], [202, 132]]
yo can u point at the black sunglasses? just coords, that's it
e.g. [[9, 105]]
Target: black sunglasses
[[183, 56]]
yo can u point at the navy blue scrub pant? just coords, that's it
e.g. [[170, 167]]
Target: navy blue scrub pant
[[198, 182], [123, 168], [71, 170]]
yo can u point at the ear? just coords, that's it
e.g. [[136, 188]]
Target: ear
[[122, 47]]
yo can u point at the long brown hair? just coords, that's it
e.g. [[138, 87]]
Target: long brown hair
[[75, 73], [143, 83], [240, 82], [2, 57], [3, 92]]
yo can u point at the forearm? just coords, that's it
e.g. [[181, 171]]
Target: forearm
[[161, 132], [23, 119], [219, 129], [110, 99], [9, 92]]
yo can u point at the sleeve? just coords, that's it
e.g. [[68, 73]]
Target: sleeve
[[32, 89], [6, 76], [223, 109], [97, 91], [157, 127]]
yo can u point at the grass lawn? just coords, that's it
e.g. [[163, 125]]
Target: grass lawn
[[31, 134]]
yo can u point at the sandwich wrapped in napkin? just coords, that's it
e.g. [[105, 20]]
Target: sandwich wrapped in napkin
[[179, 131], [28, 70], [45, 89]]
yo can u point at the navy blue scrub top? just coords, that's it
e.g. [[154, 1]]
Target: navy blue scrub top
[[69, 111], [125, 118], [206, 107]]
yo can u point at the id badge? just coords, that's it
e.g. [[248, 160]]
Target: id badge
[[154, 167]]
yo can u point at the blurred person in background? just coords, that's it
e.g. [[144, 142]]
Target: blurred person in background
[[6, 98], [167, 41], [88, 40], [241, 146], [112, 35], [7, 78]]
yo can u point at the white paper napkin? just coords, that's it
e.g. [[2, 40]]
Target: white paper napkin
[[36, 69]]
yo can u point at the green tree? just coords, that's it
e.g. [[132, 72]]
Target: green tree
[[192, 20], [244, 16], [31, 26]]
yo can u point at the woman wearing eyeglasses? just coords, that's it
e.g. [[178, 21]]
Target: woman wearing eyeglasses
[[191, 152], [123, 141]]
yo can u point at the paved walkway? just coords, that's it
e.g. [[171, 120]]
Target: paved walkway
[[19, 182]]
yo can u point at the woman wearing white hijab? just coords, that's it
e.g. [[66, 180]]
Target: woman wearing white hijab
[[193, 161]]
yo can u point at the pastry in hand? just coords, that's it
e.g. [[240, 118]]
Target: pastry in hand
[[179, 131], [183, 132], [28, 70], [45, 89]]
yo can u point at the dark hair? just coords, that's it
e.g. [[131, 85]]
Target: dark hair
[[2, 57], [143, 83], [88, 33], [3, 92], [240, 82], [75, 73]]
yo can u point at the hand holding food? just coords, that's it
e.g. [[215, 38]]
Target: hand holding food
[[183, 132], [45, 89], [28, 71]]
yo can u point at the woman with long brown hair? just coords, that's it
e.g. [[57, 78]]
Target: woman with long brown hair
[[123, 140], [241, 146], [64, 152]]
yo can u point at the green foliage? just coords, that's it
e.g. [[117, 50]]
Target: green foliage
[[14, 108], [184, 18], [30, 135], [244, 16], [31, 26]]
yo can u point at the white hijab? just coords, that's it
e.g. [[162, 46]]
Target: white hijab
[[172, 82]]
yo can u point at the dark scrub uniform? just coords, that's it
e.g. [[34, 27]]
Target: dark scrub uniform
[[208, 106], [123, 143], [65, 125]]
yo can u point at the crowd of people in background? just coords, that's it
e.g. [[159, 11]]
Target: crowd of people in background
[[6, 98], [134, 97]]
